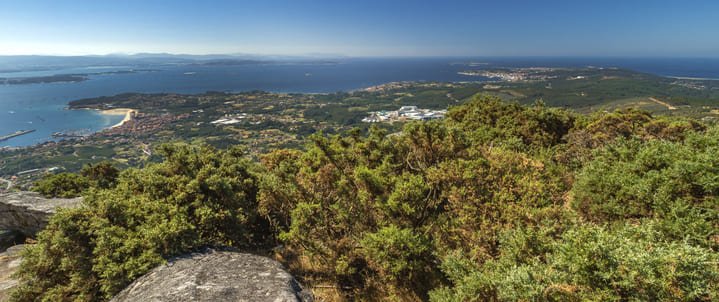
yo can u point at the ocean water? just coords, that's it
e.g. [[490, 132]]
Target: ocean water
[[42, 107]]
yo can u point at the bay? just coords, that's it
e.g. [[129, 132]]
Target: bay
[[42, 107]]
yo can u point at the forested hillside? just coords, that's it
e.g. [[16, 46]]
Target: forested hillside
[[497, 202]]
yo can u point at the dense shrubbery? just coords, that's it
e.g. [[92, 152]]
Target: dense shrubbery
[[499, 202], [64, 185], [101, 175], [674, 183], [196, 197], [491, 121], [586, 263]]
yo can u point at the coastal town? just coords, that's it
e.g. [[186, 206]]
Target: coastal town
[[259, 121], [514, 74]]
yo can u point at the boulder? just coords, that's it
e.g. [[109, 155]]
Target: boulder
[[216, 276], [28, 212]]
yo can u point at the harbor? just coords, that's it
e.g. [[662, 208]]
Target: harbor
[[72, 133], [15, 134]]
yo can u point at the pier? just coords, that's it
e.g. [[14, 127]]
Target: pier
[[15, 134]]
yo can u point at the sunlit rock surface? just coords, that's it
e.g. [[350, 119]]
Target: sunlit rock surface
[[28, 212], [216, 276], [9, 262]]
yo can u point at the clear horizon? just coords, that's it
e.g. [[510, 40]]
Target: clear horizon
[[400, 28], [342, 56]]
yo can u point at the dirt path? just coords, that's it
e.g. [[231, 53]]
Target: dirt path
[[665, 104]]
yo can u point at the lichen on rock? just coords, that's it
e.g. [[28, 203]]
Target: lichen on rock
[[216, 276]]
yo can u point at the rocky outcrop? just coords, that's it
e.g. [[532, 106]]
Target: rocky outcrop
[[9, 262], [22, 214], [9, 238], [28, 212], [216, 276]]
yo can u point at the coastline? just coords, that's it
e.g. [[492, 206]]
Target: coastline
[[693, 78], [127, 112]]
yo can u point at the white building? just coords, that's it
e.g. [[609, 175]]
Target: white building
[[404, 113], [404, 109]]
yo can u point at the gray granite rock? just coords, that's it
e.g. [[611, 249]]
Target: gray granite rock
[[28, 212], [216, 276], [9, 262]]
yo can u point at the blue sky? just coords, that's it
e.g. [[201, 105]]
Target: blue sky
[[362, 28]]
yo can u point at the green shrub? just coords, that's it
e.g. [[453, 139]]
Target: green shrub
[[676, 182], [587, 263], [396, 253], [101, 175], [373, 213], [63, 185], [489, 119], [602, 128], [498, 202], [196, 197]]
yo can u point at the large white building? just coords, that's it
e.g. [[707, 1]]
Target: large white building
[[404, 113]]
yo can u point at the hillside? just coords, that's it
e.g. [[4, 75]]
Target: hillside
[[497, 202]]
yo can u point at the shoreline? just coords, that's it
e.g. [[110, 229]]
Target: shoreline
[[127, 112], [693, 78]]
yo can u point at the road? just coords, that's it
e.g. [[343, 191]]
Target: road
[[665, 104]]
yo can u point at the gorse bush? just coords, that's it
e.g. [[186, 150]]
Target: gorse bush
[[499, 202], [586, 263], [602, 128], [63, 185], [490, 120], [101, 175], [376, 212], [196, 197], [676, 183]]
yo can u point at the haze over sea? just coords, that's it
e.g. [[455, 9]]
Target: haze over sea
[[41, 107]]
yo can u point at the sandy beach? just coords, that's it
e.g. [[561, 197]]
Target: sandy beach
[[127, 112]]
